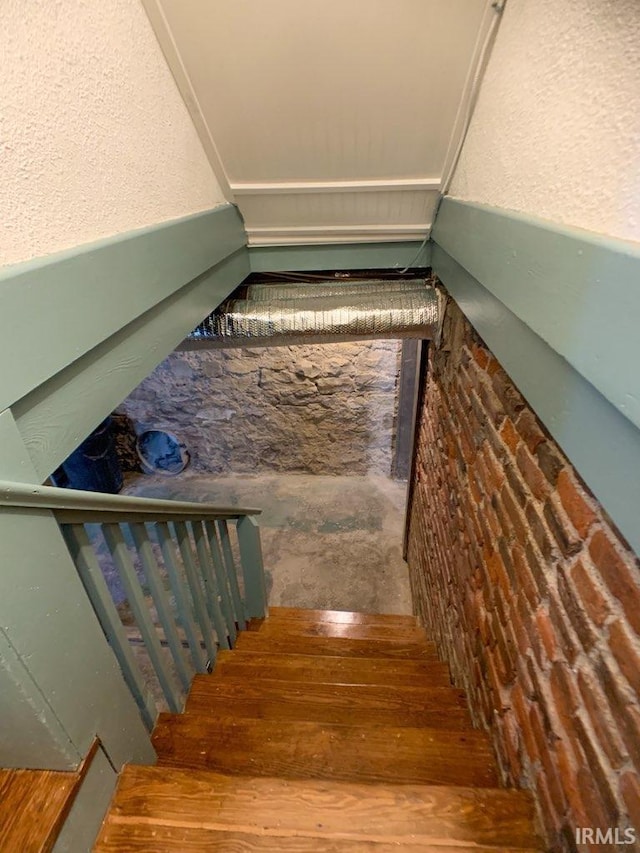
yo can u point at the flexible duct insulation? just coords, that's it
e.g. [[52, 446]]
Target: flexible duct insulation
[[269, 292], [347, 312]]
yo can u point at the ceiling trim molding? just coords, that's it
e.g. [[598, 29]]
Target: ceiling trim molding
[[320, 240], [172, 56], [347, 186], [317, 234], [300, 230]]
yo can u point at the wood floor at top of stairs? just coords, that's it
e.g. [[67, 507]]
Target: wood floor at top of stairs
[[335, 630], [340, 617], [33, 806]]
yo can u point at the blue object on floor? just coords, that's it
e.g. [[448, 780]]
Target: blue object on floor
[[162, 453]]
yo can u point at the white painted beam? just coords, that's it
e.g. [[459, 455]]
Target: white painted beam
[[312, 187]]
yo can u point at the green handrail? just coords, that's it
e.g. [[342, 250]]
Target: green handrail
[[74, 505], [157, 546]]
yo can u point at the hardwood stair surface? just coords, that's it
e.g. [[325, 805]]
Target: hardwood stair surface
[[340, 704], [305, 644], [329, 669], [322, 731]]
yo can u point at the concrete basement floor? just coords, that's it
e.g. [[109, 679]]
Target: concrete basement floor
[[328, 542]]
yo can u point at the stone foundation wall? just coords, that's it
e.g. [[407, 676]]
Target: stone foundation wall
[[315, 409], [532, 596]]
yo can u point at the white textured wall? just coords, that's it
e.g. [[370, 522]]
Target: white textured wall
[[94, 136], [556, 132]]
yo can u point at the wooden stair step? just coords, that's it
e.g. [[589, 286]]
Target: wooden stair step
[[289, 628], [183, 810], [144, 838], [338, 617], [325, 669], [339, 704], [309, 750], [33, 807], [343, 647]]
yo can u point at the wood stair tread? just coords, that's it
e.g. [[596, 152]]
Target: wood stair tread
[[330, 703], [144, 838], [320, 750], [322, 731], [329, 669], [340, 617], [342, 646], [189, 807], [33, 807]]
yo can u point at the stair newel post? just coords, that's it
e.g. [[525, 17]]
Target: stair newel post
[[255, 590]]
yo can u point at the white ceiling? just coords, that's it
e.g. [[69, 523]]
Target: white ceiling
[[326, 120]]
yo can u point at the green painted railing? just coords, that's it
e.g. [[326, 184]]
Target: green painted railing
[[191, 575]]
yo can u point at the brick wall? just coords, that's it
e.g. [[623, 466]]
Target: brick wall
[[533, 598]]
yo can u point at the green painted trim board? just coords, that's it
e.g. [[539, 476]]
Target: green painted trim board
[[30, 735], [599, 440], [91, 803], [56, 309], [579, 291], [55, 417], [340, 256]]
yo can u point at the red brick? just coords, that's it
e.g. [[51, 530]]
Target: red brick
[[547, 633], [618, 574], [516, 522], [496, 472], [626, 654], [601, 773], [493, 367], [578, 617], [509, 435], [529, 428], [539, 532], [511, 737], [566, 640], [574, 502], [481, 355], [508, 395], [630, 790], [588, 805], [565, 695], [517, 484], [548, 760], [533, 476], [550, 461], [551, 813], [563, 533], [625, 710], [591, 596], [520, 635], [491, 404], [597, 707], [524, 577]]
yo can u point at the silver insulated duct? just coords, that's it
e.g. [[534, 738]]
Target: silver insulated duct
[[322, 312]]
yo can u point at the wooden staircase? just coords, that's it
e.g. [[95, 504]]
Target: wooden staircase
[[321, 731]]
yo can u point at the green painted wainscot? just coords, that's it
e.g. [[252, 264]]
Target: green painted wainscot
[[78, 331], [560, 308]]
